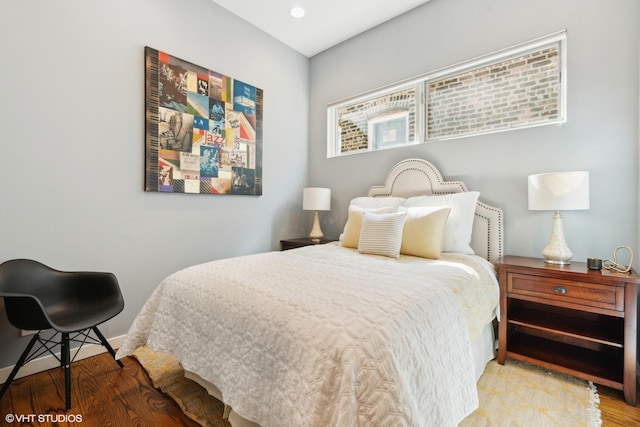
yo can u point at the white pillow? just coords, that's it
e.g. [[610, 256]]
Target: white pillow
[[381, 234], [459, 226], [377, 202], [351, 234], [423, 232]]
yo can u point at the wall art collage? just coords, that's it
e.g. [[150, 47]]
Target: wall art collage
[[203, 129]]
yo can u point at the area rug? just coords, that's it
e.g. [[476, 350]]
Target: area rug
[[513, 394], [520, 394], [166, 374]]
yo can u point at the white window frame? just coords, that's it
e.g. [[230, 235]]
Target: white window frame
[[333, 129], [421, 84]]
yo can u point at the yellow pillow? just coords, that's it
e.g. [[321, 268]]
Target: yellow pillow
[[351, 234], [423, 232]]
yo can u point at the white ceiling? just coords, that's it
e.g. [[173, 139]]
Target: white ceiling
[[326, 23]]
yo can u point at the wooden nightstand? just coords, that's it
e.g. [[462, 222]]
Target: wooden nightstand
[[287, 244], [570, 319]]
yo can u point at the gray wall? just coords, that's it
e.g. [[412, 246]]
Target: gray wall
[[601, 133], [72, 121], [72, 143]]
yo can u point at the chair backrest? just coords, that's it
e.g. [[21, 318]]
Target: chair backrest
[[39, 297], [23, 283], [22, 277]]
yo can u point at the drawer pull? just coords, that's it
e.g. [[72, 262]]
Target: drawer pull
[[559, 289]]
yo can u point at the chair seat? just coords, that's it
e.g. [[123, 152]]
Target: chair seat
[[68, 317]]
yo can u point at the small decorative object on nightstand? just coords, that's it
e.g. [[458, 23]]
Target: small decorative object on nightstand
[[570, 319], [287, 244], [316, 199], [558, 191]]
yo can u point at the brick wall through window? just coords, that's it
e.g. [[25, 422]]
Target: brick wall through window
[[520, 91], [517, 87]]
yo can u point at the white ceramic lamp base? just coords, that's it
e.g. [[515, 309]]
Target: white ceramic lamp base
[[557, 251], [316, 232]]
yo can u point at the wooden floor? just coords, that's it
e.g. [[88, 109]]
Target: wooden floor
[[104, 394], [615, 412]]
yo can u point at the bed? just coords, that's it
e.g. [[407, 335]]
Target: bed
[[390, 329]]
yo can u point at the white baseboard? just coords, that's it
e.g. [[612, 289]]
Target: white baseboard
[[47, 362]]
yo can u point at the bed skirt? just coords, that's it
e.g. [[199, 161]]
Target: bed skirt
[[483, 351]]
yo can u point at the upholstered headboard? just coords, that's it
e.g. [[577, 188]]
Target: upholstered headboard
[[416, 177]]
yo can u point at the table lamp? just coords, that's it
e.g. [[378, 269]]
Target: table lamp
[[557, 192], [316, 199]]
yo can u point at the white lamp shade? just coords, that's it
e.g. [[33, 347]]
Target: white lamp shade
[[316, 199], [559, 191]]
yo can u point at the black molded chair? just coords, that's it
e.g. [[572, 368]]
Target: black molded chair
[[37, 297]]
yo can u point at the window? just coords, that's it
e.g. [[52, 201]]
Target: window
[[379, 120], [519, 87], [388, 130]]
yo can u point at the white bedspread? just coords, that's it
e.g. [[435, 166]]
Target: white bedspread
[[324, 336]]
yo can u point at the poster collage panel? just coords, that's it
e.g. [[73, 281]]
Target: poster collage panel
[[203, 130]]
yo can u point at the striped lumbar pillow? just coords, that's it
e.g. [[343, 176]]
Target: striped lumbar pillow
[[381, 234], [353, 226]]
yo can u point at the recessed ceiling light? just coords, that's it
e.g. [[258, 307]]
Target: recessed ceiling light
[[297, 12]]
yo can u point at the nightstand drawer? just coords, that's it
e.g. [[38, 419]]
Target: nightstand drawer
[[569, 291]]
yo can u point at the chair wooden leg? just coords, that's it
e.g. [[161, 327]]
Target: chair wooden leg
[[66, 363], [18, 365], [106, 345]]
